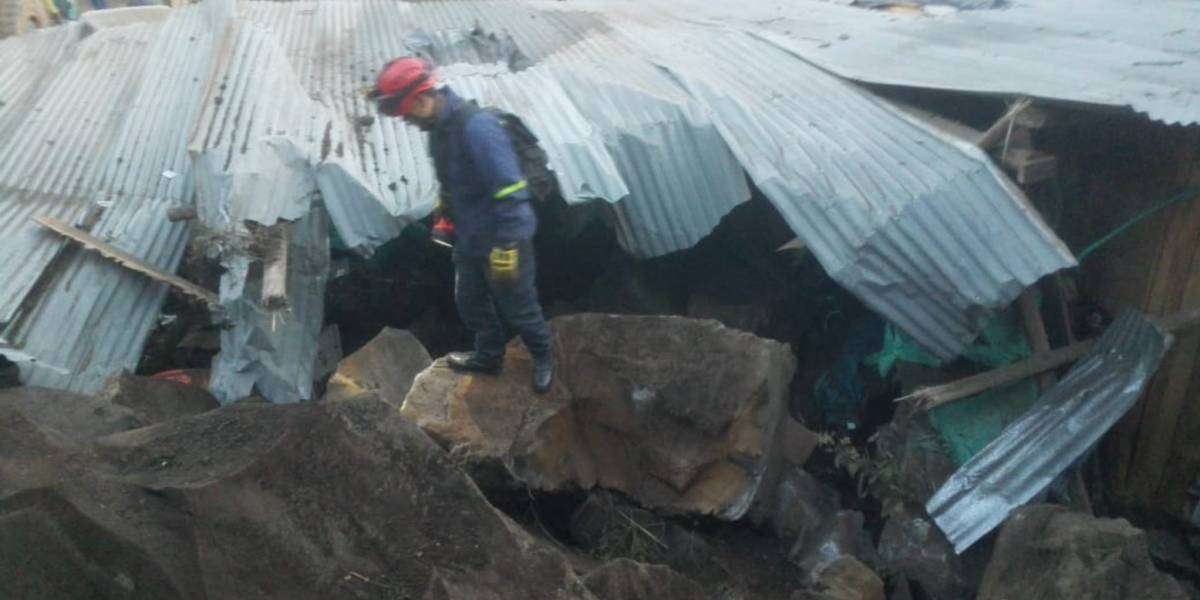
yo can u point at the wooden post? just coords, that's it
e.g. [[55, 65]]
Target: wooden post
[[1035, 332], [275, 268], [997, 131], [1039, 342]]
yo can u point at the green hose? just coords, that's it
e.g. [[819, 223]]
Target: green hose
[[1186, 194]]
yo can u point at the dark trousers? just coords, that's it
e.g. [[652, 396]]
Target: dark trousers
[[495, 310]]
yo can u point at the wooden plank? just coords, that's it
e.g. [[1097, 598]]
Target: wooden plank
[[938, 395], [1156, 435], [934, 396], [127, 260], [1031, 166]]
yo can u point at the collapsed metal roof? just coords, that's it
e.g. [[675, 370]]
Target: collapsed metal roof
[[1142, 55], [92, 135], [651, 111], [1055, 432]]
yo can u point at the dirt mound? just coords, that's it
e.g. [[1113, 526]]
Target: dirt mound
[[338, 499]]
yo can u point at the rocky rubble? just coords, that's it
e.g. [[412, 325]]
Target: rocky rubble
[[656, 425], [340, 499]]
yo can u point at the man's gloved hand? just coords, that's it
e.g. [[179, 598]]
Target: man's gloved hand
[[504, 262]]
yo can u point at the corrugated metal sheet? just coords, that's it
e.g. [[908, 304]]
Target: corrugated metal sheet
[[1144, 55], [92, 130], [1064, 424], [663, 157], [922, 229]]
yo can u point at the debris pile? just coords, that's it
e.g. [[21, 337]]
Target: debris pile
[[320, 500], [820, 332]]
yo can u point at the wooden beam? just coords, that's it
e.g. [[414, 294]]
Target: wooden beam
[[127, 260], [938, 395], [1030, 166], [1000, 128], [1035, 332]]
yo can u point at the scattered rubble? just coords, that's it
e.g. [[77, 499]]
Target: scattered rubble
[[386, 366], [1047, 551], [678, 414]]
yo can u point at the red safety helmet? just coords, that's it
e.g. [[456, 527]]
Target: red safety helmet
[[400, 83]]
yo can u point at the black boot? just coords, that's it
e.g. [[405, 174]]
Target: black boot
[[543, 374], [471, 362]]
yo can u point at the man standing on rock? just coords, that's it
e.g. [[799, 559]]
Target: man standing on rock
[[483, 187]]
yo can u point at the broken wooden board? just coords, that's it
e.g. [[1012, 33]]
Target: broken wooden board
[[127, 260], [930, 397]]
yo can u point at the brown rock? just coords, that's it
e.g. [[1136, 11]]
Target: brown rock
[[156, 400], [844, 579], [1046, 551], [317, 500], [386, 366], [676, 413], [624, 579], [796, 504]]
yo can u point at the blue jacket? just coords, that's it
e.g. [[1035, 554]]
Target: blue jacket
[[481, 179]]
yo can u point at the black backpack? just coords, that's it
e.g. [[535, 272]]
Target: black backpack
[[535, 163]]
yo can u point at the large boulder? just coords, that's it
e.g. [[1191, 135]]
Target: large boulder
[[341, 499], [386, 366], [1047, 551], [679, 414]]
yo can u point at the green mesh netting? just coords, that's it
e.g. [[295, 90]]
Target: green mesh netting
[[970, 424]]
